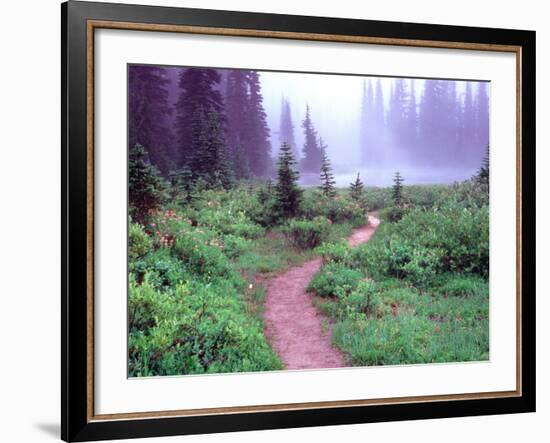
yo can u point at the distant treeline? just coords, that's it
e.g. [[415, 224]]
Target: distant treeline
[[189, 118], [442, 127]]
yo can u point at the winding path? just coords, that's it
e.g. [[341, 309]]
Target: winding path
[[293, 326]]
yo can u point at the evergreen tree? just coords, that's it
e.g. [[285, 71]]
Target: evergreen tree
[[237, 110], [397, 189], [482, 176], [367, 128], [357, 192], [286, 128], [259, 152], [182, 186], [468, 124], [311, 161], [411, 130], [198, 88], [326, 175], [145, 185], [287, 191], [241, 169], [149, 114], [379, 125], [208, 163], [482, 115]]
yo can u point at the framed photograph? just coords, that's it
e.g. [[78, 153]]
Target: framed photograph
[[276, 221]]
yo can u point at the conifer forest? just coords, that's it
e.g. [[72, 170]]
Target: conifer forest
[[281, 220]]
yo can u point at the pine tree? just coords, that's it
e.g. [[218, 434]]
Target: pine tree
[[145, 185], [241, 169], [198, 88], [379, 123], [482, 116], [326, 175], [311, 160], [237, 110], [287, 191], [286, 128], [208, 163], [357, 192], [367, 128], [482, 176], [468, 124], [259, 152], [149, 114], [411, 134], [397, 189]]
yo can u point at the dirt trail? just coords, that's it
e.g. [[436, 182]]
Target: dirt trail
[[293, 326]]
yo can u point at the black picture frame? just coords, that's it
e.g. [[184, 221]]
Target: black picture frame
[[76, 423]]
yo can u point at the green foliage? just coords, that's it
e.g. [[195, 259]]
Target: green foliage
[[194, 329], [482, 176], [208, 162], [139, 242], [287, 191], [401, 326], [307, 234], [393, 214], [146, 187], [357, 192], [425, 243], [327, 177], [338, 209], [335, 280], [397, 189], [464, 286], [266, 211]]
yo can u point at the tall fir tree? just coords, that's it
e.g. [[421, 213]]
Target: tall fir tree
[[397, 189], [482, 176], [397, 118], [357, 192], [145, 186], [286, 127], [411, 129], [311, 160], [208, 162], [326, 175], [288, 193], [367, 124], [379, 124], [482, 116], [468, 122], [259, 152], [237, 110], [198, 88], [149, 113]]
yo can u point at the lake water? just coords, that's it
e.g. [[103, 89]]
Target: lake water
[[384, 177]]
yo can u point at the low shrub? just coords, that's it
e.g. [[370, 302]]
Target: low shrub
[[363, 300], [139, 242], [338, 209], [307, 234], [194, 329], [335, 279], [163, 270], [234, 246], [203, 258], [393, 214], [335, 253]]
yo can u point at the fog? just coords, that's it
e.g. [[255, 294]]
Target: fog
[[430, 130], [336, 103]]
